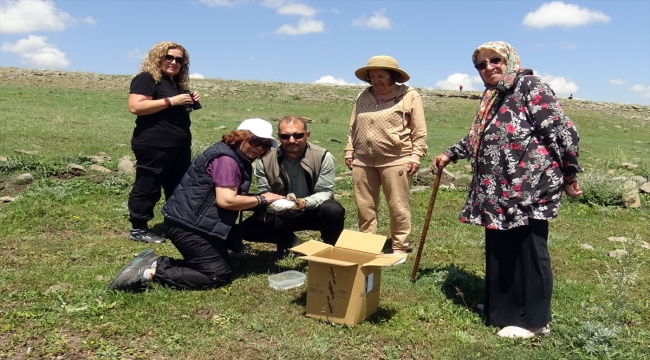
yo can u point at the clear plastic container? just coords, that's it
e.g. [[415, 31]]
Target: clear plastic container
[[287, 280]]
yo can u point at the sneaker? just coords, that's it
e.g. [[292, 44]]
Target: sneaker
[[517, 332], [283, 250], [126, 279], [145, 235], [481, 307]]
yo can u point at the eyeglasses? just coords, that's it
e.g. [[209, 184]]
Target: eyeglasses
[[259, 143], [170, 58], [296, 136], [380, 77], [482, 65]]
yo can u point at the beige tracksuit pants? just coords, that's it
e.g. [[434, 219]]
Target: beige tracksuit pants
[[396, 184]]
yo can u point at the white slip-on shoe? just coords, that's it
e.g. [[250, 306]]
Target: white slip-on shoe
[[402, 258], [517, 332]]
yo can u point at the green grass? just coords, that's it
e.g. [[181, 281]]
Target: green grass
[[64, 239]]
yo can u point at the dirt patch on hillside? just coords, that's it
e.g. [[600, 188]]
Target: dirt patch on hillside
[[275, 91]]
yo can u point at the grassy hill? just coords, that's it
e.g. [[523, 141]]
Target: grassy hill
[[64, 238]]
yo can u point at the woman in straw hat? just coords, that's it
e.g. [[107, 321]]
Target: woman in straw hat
[[386, 140], [201, 214], [524, 151]]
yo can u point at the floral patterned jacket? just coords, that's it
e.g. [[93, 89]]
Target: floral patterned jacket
[[528, 151]]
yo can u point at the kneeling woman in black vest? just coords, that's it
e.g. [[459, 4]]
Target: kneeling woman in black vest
[[202, 211]]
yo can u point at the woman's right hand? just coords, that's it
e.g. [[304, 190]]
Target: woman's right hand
[[181, 99], [440, 161], [271, 197], [348, 163]]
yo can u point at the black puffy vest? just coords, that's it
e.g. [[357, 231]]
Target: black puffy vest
[[193, 203]]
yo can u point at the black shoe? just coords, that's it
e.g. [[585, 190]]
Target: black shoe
[[283, 250], [145, 235], [234, 239], [130, 276]]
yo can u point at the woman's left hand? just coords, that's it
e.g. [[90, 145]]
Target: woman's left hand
[[412, 168], [196, 97], [573, 190]]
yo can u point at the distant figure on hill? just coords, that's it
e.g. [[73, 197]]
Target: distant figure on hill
[[570, 97], [524, 152], [460, 88], [161, 140]]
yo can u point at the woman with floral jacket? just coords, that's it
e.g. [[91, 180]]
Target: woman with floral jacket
[[524, 152]]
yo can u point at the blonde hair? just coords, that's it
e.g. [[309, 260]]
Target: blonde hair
[[151, 64]]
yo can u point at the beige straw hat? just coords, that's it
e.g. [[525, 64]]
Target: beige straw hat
[[382, 62]]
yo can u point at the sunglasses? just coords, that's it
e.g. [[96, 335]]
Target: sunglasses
[[260, 143], [494, 61], [296, 136], [380, 77], [170, 58]]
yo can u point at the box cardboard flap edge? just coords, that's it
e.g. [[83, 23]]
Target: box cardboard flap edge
[[364, 242], [310, 247], [328, 261], [385, 260]]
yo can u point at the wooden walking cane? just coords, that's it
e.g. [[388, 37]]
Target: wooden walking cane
[[427, 220]]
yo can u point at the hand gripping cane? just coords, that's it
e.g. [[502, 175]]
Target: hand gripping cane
[[427, 220]]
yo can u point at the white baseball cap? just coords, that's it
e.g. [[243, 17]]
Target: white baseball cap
[[260, 128]]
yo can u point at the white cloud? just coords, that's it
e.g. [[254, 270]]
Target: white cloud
[[305, 26], [275, 3], [297, 9], [377, 21], [290, 7], [37, 53], [617, 81], [643, 90], [89, 20], [136, 54], [221, 3], [567, 45], [557, 13], [24, 16], [331, 80], [454, 81], [560, 85], [196, 76]]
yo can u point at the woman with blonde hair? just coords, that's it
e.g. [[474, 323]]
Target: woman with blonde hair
[[161, 141]]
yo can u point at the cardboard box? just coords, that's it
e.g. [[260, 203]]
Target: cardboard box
[[344, 280]]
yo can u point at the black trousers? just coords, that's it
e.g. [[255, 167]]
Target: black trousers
[[518, 277], [205, 264], [155, 168], [328, 218]]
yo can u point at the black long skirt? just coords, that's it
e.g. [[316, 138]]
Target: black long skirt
[[518, 277]]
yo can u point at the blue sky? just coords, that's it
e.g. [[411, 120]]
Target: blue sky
[[595, 50]]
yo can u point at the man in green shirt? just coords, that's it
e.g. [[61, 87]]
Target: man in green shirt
[[305, 170]]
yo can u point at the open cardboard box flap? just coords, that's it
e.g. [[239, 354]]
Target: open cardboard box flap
[[385, 260], [354, 240], [310, 247], [328, 261], [351, 240]]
